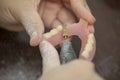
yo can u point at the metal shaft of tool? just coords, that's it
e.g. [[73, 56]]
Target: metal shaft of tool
[[67, 53]]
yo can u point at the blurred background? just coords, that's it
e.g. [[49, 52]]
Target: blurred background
[[19, 61]]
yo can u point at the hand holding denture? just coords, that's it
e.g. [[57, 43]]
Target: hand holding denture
[[75, 70], [33, 15]]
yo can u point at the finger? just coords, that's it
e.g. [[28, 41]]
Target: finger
[[49, 55], [66, 17], [90, 27], [50, 13], [33, 25], [48, 20], [81, 11], [56, 23]]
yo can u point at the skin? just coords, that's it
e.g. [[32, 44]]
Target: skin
[[75, 70], [34, 15]]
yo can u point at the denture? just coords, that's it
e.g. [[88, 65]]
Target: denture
[[88, 47]]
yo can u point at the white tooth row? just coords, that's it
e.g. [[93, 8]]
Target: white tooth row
[[53, 32], [89, 46]]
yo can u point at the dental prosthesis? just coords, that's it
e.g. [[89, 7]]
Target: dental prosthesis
[[55, 37]]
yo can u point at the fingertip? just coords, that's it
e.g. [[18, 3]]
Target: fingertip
[[82, 12], [91, 19], [35, 39], [47, 48]]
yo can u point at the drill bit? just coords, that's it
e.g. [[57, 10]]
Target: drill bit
[[67, 53]]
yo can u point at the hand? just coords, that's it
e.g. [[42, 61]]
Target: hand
[[33, 15], [75, 70]]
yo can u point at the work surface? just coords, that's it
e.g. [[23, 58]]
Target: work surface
[[19, 61]]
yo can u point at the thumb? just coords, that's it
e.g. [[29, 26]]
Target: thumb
[[49, 55], [34, 26], [82, 10]]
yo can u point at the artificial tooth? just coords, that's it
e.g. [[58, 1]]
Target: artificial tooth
[[53, 31], [59, 28], [91, 40], [47, 35], [91, 37], [85, 54], [88, 46]]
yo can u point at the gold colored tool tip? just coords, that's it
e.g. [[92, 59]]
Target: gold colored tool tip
[[65, 34]]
